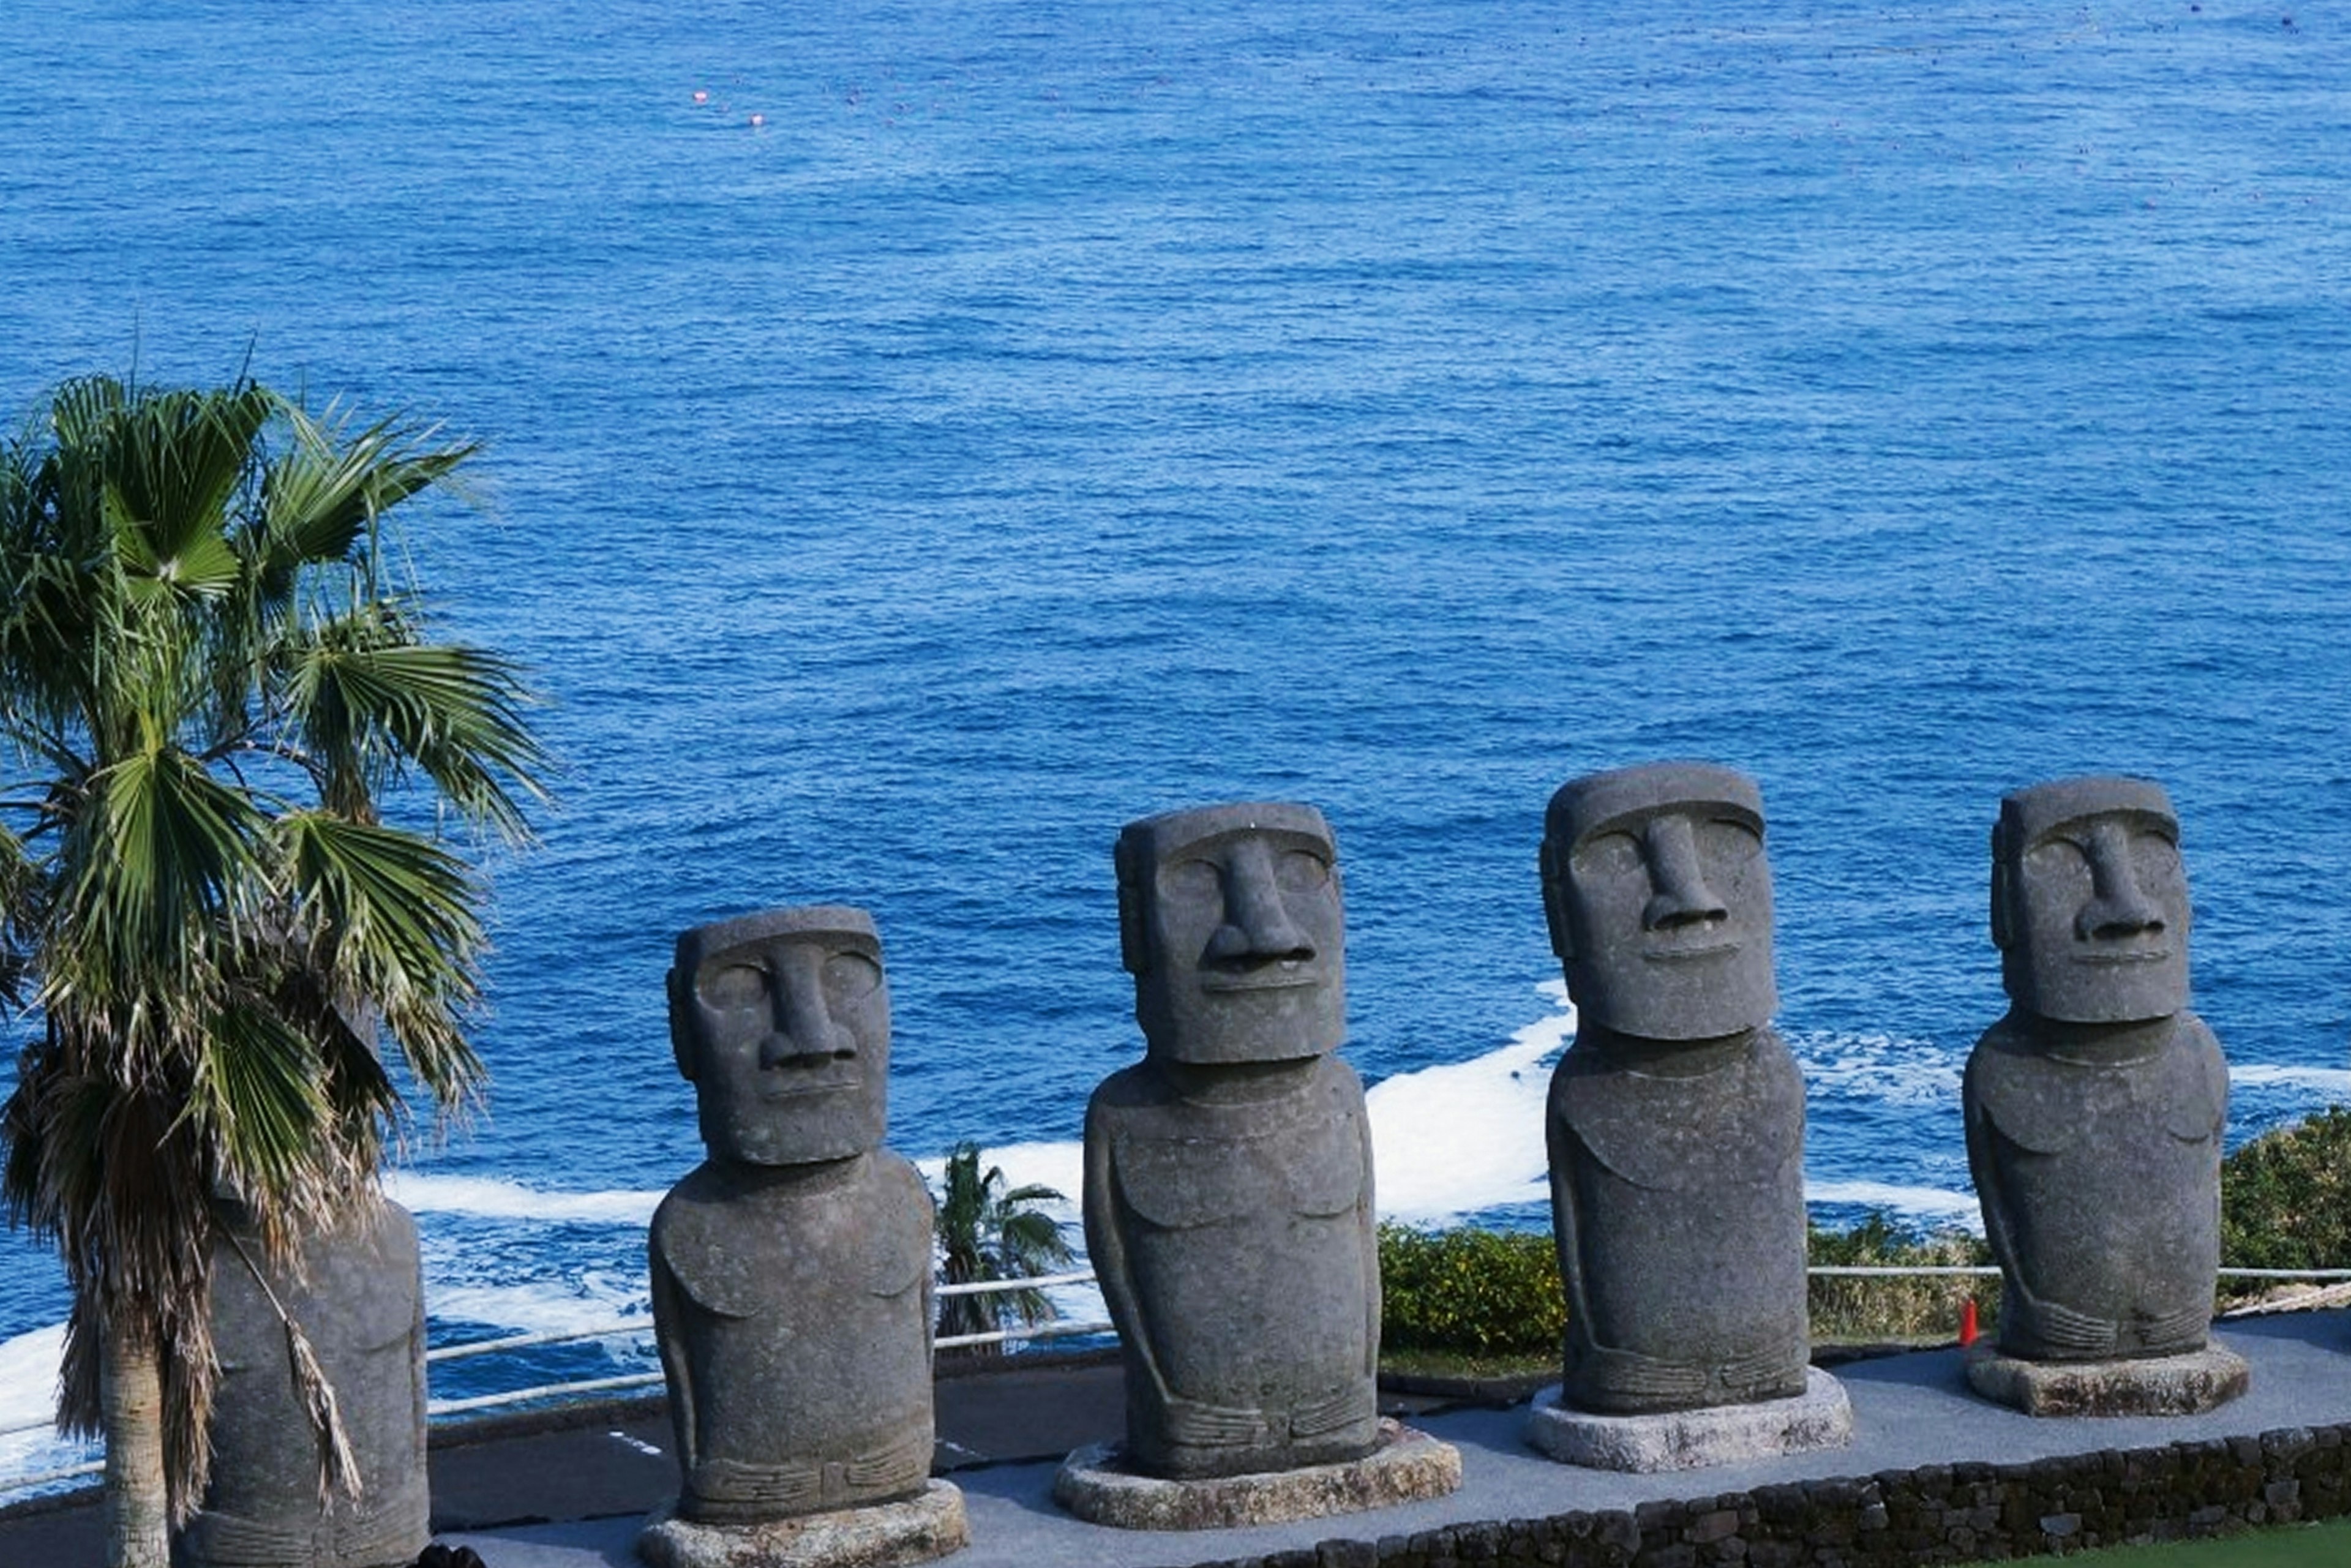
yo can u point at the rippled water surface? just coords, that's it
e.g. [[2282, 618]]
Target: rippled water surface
[[969, 426]]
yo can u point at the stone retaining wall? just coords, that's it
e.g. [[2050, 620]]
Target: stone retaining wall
[[1940, 1513]]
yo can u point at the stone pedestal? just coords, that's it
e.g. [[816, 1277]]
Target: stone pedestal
[[2152, 1385], [1819, 1417], [927, 1525], [1407, 1467]]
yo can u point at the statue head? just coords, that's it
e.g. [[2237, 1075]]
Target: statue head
[[1659, 899], [781, 1021], [1230, 920], [2089, 901]]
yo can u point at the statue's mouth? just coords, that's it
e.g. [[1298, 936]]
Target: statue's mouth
[[1282, 975], [818, 1073], [1690, 953], [2124, 960]]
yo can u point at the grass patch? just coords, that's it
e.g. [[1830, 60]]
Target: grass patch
[[2325, 1545]]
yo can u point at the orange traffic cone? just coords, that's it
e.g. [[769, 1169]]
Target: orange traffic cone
[[1969, 1332]]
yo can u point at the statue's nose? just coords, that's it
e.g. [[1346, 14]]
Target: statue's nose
[[1679, 892], [804, 1025], [2118, 906], [1256, 927]]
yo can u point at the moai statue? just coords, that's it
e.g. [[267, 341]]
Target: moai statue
[[2094, 1112], [792, 1269], [1228, 1182], [1228, 1174], [1675, 1129], [354, 1292]]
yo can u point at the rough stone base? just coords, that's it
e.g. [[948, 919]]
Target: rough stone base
[[1407, 1467], [1819, 1417], [2154, 1385], [881, 1535]]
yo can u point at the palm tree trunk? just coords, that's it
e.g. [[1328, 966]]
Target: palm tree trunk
[[137, 1512]]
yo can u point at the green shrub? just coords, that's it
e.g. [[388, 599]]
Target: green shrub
[[1470, 1292], [2285, 1198]]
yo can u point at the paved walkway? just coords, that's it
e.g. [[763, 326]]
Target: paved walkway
[[1005, 1432]]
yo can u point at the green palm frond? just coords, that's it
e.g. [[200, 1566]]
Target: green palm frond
[[321, 498], [154, 860], [207, 697], [987, 1231], [365, 696], [257, 1090]]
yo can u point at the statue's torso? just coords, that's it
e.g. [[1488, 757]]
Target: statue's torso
[[360, 1307], [1248, 1236], [1679, 1199], [800, 1319], [2101, 1186]]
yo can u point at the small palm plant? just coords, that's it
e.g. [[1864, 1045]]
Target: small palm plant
[[211, 683], [989, 1230]]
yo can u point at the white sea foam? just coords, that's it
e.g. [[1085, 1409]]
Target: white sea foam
[[2333, 1081], [1934, 1205], [427, 1192], [1463, 1136], [591, 1301], [28, 1376], [29, 1387], [1886, 1069]]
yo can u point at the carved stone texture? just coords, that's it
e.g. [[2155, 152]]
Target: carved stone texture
[[2094, 1108], [1228, 1175], [1676, 1121], [1407, 1466], [1819, 1417], [792, 1270], [1230, 921], [358, 1297], [928, 1525], [2185, 1384]]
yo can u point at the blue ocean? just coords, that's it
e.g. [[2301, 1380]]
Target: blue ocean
[[923, 437]]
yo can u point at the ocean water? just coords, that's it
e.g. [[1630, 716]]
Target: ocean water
[[924, 437]]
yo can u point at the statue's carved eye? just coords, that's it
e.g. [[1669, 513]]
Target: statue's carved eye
[[1299, 870], [729, 985], [849, 976], [2155, 861], [1727, 842], [1192, 882], [1608, 855], [2057, 860]]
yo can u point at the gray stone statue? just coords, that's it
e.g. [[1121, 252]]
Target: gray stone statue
[[792, 1270], [1228, 1175], [355, 1295], [2094, 1108], [1677, 1118]]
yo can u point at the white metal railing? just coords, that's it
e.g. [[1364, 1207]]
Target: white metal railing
[[1049, 1330], [629, 1381]]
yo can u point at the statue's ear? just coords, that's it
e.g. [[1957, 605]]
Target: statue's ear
[[1554, 893], [2002, 882], [1132, 951], [680, 1045]]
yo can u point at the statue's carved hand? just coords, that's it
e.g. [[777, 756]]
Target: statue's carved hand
[[2176, 1333], [2062, 1326], [1335, 1411], [1193, 1423], [785, 1488], [1769, 1370], [1629, 1373]]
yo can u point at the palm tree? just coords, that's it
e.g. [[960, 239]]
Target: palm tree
[[986, 1232], [210, 686]]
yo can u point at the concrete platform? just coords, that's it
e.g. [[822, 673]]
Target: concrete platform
[[1909, 1410]]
